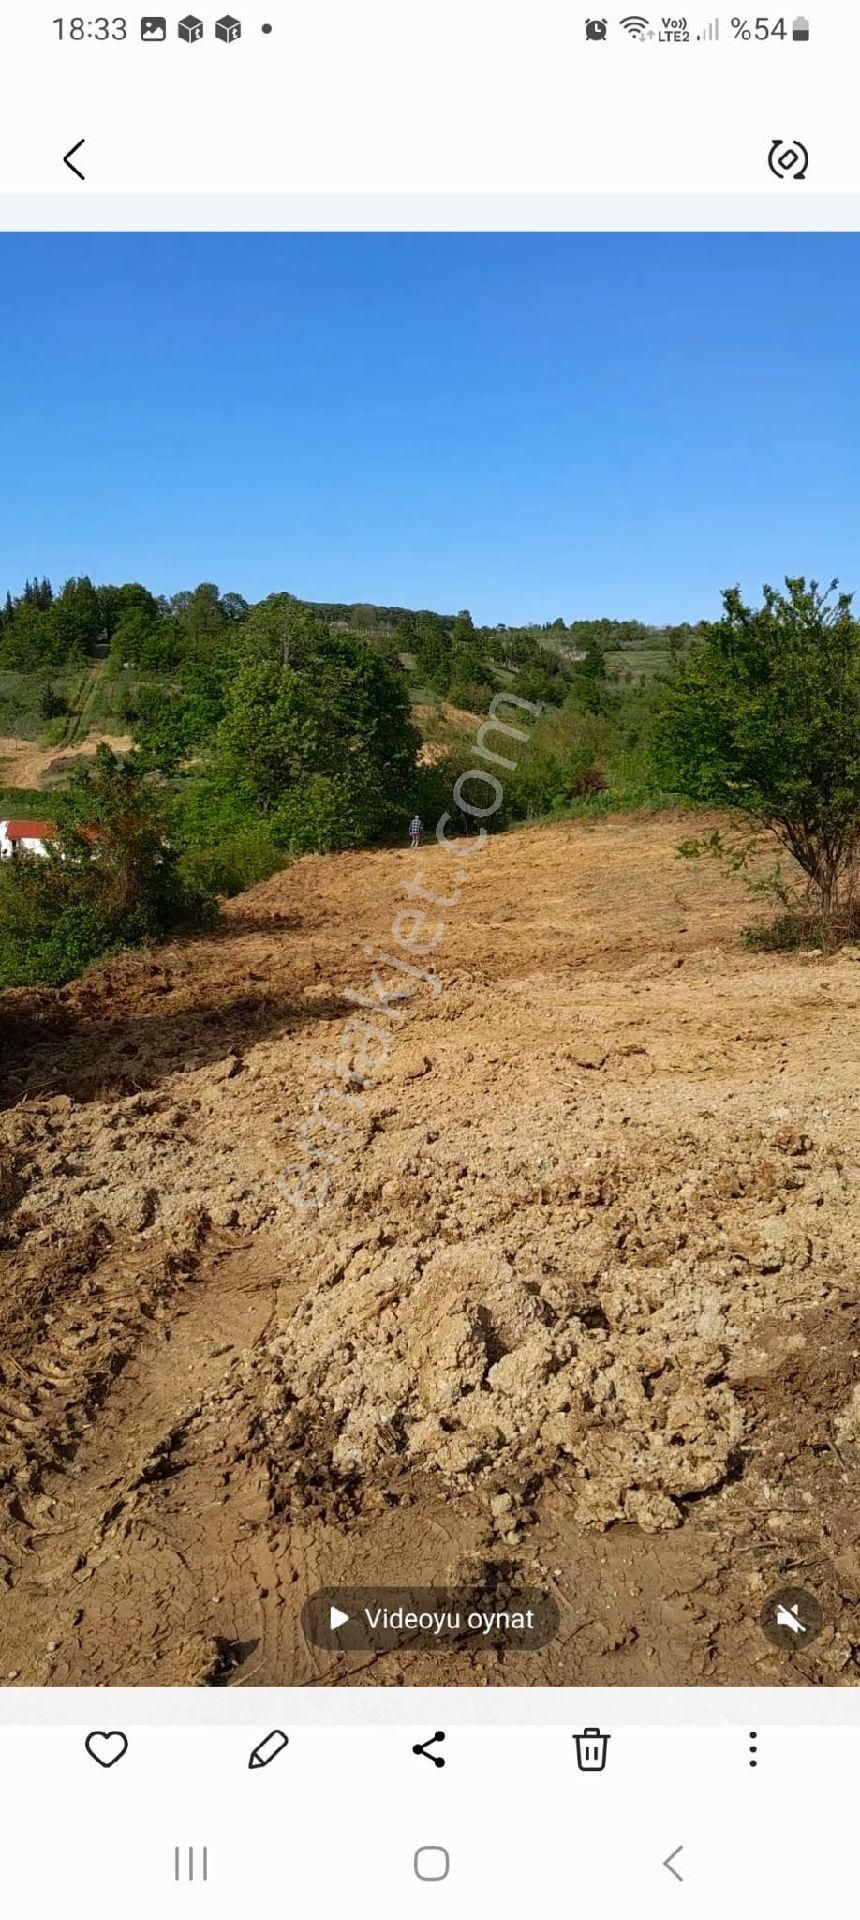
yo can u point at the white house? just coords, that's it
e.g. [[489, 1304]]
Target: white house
[[25, 836]]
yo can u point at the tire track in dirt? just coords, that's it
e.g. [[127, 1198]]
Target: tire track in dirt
[[600, 1210]]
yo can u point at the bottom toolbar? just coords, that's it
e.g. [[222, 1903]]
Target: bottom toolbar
[[606, 1819]]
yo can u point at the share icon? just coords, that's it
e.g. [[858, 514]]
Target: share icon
[[438, 1759]]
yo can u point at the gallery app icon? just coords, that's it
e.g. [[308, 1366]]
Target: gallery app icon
[[153, 26]]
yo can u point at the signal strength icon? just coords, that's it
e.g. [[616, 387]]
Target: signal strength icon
[[635, 25], [711, 32]]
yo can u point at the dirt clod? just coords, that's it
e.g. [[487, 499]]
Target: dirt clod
[[581, 1288]]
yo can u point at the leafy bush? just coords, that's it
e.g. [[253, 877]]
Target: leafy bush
[[111, 879], [81, 933], [538, 784], [52, 703], [317, 817], [473, 696], [764, 720], [241, 860]]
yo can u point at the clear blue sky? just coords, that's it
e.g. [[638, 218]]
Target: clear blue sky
[[524, 425]]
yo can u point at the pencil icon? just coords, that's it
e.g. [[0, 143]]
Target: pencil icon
[[268, 1749]]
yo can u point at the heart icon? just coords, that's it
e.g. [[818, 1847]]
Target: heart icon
[[106, 1748]]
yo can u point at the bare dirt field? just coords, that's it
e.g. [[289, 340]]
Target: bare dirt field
[[580, 1309], [24, 763]]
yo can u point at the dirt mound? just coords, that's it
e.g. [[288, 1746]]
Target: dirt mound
[[456, 1366], [580, 1292], [605, 1361]]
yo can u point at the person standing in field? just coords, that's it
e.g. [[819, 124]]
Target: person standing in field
[[416, 829]]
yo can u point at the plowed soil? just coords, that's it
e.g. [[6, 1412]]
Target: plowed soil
[[579, 1305]]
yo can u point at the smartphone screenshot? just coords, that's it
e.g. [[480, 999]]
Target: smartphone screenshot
[[429, 941]]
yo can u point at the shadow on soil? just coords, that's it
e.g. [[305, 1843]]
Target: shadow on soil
[[54, 1050]]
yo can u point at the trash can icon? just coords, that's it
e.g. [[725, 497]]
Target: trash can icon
[[591, 1748]]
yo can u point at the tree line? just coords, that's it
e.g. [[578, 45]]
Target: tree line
[[42, 629], [275, 735]]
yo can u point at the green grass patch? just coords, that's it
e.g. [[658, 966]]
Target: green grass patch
[[21, 716], [798, 930], [633, 665], [21, 803]]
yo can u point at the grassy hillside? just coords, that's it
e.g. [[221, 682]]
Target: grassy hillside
[[637, 663], [93, 697]]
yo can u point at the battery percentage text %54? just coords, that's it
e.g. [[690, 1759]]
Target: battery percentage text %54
[[762, 28]]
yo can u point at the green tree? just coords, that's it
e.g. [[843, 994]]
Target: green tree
[[463, 628], [51, 703], [140, 638], [433, 651], [77, 617], [116, 602], [111, 879], [343, 718], [29, 640], [594, 665], [207, 620], [590, 689], [112, 833], [281, 631], [763, 718], [174, 723]]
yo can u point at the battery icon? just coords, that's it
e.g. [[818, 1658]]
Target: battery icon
[[800, 29]]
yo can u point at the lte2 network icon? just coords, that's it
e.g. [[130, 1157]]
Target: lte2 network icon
[[190, 29], [228, 29]]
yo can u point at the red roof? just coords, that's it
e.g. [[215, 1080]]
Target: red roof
[[30, 830]]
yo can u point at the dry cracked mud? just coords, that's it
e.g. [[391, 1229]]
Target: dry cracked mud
[[579, 1306]]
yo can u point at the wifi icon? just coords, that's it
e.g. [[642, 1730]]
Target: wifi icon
[[635, 26]]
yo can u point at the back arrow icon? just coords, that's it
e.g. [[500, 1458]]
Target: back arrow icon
[[668, 1863], [68, 160]]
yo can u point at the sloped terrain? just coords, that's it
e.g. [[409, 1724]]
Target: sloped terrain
[[579, 1305], [25, 763]]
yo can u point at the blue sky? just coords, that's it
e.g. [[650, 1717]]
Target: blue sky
[[524, 425]]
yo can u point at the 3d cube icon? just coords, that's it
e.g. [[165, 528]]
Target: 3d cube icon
[[228, 28], [190, 28]]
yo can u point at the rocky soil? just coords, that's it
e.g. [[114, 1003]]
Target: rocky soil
[[572, 1296]]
